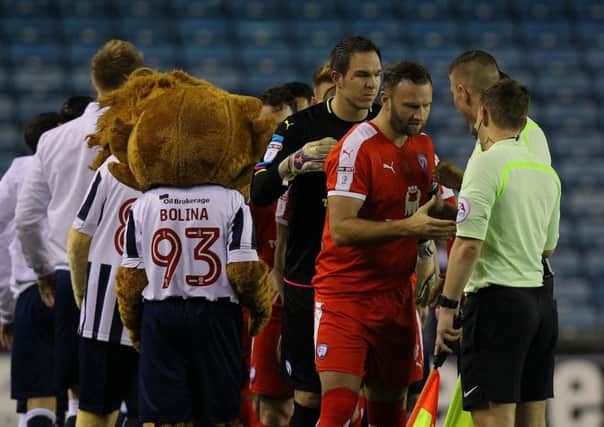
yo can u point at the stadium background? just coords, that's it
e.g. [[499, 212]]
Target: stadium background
[[555, 47]]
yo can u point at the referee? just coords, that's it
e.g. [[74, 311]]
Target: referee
[[508, 218], [470, 74]]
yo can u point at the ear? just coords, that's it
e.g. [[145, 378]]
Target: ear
[[485, 116], [384, 96], [262, 129], [464, 93], [248, 105], [123, 174], [337, 78]]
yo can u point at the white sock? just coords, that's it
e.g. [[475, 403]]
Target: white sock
[[22, 421], [124, 408], [72, 407], [40, 412]]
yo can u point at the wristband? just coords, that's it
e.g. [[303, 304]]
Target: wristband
[[445, 302]]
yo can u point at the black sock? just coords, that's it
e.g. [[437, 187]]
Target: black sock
[[304, 416], [70, 421], [40, 421], [132, 422]]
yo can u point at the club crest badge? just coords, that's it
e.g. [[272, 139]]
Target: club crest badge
[[423, 162], [321, 351]]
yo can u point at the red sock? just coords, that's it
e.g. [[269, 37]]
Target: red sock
[[403, 417], [361, 410], [247, 414], [385, 414], [337, 407]]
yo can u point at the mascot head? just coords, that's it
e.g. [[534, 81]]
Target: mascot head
[[171, 129]]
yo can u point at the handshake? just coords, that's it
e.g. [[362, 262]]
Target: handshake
[[309, 158]]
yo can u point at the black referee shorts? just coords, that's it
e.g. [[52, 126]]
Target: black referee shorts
[[297, 339], [507, 349]]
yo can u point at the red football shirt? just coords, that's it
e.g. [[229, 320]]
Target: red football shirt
[[266, 234], [393, 183]]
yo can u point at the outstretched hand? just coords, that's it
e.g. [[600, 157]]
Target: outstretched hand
[[423, 226]]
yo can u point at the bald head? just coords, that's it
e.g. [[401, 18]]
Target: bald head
[[470, 75], [476, 69]]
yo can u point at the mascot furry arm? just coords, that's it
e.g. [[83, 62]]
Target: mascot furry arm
[[129, 285], [251, 282]]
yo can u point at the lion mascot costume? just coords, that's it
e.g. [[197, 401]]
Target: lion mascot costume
[[189, 257]]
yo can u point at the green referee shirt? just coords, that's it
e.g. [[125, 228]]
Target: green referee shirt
[[510, 200], [533, 138]]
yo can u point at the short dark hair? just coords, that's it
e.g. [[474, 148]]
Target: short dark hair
[[477, 68], [300, 90], [73, 107], [406, 70], [113, 63], [37, 126], [475, 56], [340, 55], [279, 97], [507, 102]]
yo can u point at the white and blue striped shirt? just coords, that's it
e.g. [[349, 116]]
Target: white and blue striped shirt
[[103, 215]]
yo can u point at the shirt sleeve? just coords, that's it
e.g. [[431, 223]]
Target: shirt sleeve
[[132, 257], [31, 210], [242, 235], [267, 185], [8, 198], [8, 201], [476, 198], [90, 211], [348, 171], [553, 230], [7, 305]]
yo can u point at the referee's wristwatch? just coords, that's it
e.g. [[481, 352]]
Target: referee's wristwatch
[[445, 302]]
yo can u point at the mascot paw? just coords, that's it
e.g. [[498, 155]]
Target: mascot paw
[[135, 338], [257, 322], [129, 284], [251, 282]]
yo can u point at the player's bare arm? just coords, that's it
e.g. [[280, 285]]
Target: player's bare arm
[[347, 229], [279, 261], [78, 247], [463, 257]]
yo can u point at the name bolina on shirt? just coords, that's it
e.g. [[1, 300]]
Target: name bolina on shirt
[[184, 238]]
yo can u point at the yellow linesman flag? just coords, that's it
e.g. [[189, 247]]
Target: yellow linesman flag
[[424, 413], [456, 416]]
